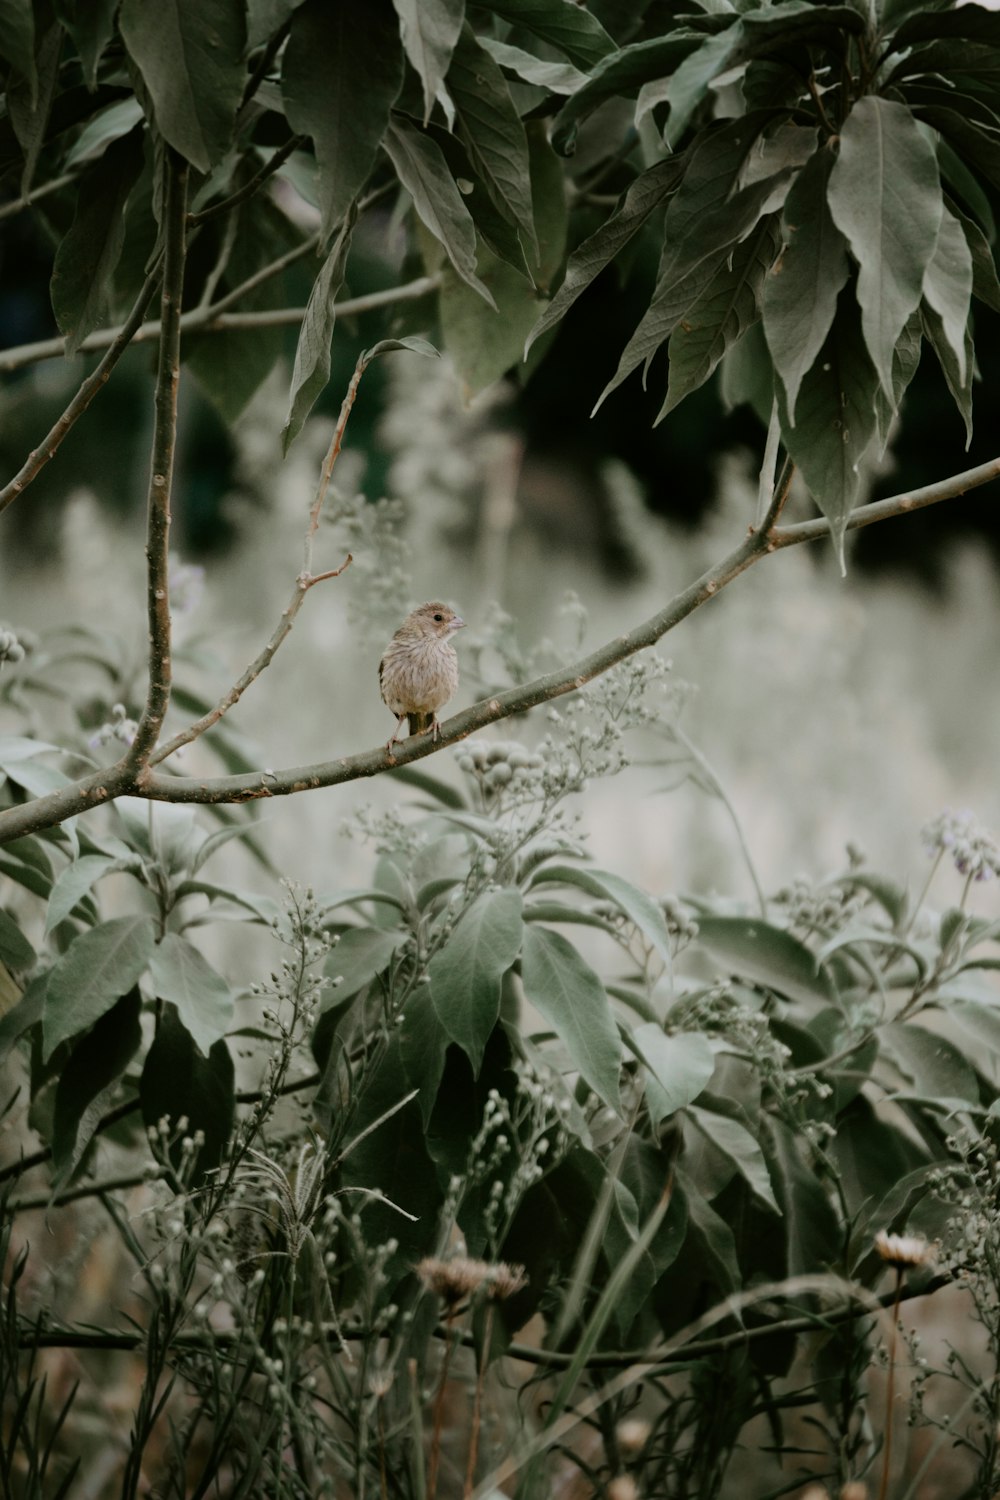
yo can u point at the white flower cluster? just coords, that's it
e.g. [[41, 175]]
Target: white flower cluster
[[973, 849]]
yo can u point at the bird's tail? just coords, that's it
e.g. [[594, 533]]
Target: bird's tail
[[420, 722]]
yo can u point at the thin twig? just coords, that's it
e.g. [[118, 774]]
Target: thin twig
[[168, 372], [477, 1402], [303, 584], [84, 1190], [210, 319], [95, 381], [18, 205], [251, 186], [103, 786]]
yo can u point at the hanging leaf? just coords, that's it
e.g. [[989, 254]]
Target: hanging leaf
[[735, 1142], [557, 78], [677, 1067], [89, 1077], [565, 990], [947, 286], [97, 968], [622, 72], [202, 997], [17, 42], [800, 294], [959, 384], [311, 370], [633, 902], [360, 955], [575, 31], [689, 84], [756, 951], [91, 24], [465, 974], [885, 198], [340, 75], [177, 1083], [15, 950], [76, 882], [191, 61], [430, 31], [29, 101]]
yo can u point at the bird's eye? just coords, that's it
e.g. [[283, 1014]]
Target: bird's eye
[[439, 617]]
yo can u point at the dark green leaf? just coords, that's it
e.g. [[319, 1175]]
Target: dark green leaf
[[575, 31], [973, 23], [485, 342], [836, 418], [97, 968], [422, 170], [75, 882], [569, 995], [181, 975], [360, 955], [341, 73], [89, 1076], [393, 346], [812, 1232], [88, 253], [934, 1066], [191, 62], [985, 284], [640, 909], [15, 950], [754, 950], [465, 974], [91, 24], [885, 198], [557, 78], [959, 383], [178, 1083], [642, 198], [25, 1013], [800, 295], [975, 148], [423, 1043], [689, 84], [747, 374], [311, 370], [738, 1145], [948, 286], [677, 1067], [490, 129], [29, 100], [621, 73], [712, 1236], [430, 31], [17, 41], [265, 17], [721, 315], [905, 359]]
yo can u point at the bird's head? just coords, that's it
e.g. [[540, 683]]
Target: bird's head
[[435, 619]]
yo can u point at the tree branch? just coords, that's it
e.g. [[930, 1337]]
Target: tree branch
[[168, 374], [55, 807], [251, 186], [211, 320], [39, 457]]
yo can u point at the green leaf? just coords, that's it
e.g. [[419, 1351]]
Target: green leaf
[[465, 974], [716, 1248], [191, 62], [430, 31], [423, 1043], [947, 286], [800, 295], [17, 41], [635, 903], [688, 86], [89, 1077], [885, 198], [177, 1082], [620, 74], [360, 955], [557, 78], [91, 24], [641, 199], [97, 968], [422, 170], [747, 374], [340, 76], [180, 974], [735, 1142], [754, 950], [89, 251], [722, 314], [985, 284], [29, 100], [15, 950], [485, 342], [490, 129], [836, 418], [22, 1015], [413, 345], [575, 31], [677, 1067], [563, 987], [812, 1231], [265, 17], [311, 370], [960, 386], [75, 882], [905, 359], [971, 23], [934, 1065]]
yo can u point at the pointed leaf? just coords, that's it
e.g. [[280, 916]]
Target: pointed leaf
[[959, 384], [341, 73], [976, 148], [677, 1068], [721, 315], [180, 974], [89, 251], [360, 955], [465, 974], [735, 1141], [75, 882], [985, 284], [422, 170], [635, 903], [646, 194], [15, 950], [191, 62], [88, 1078], [621, 73], [558, 78], [91, 24], [430, 31], [563, 987], [575, 31], [947, 285], [836, 418], [97, 968], [490, 129], [885, 198], [178, 1083], [756, 951], [29, 100], [415, 345], [905, 359], [17, 41], [688, 86], [800, 295], [311, 370]]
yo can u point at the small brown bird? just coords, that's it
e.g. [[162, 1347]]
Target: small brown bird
[[418, 672]]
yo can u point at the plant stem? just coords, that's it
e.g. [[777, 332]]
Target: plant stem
[[890, 1391], [477, 1403]]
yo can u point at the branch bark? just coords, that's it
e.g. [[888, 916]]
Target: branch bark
[[103, 786]]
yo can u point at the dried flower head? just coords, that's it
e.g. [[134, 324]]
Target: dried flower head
[[461, 1277], [903, 1251], [632, 1436], [815, 1492], [623, 1487], [854, 1490]]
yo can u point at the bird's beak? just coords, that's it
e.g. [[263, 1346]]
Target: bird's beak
[[456, 624]]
